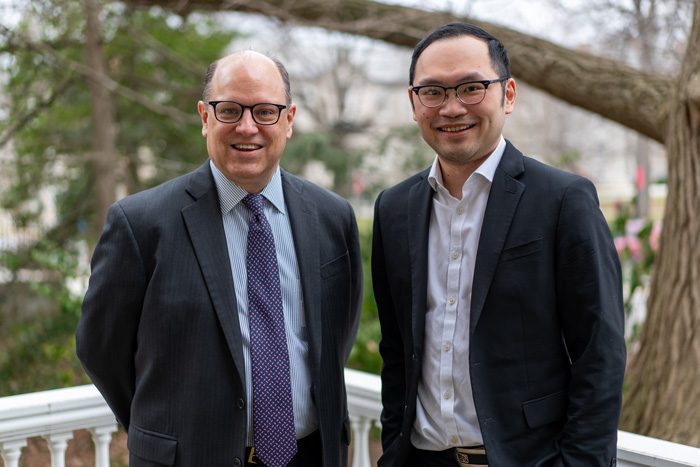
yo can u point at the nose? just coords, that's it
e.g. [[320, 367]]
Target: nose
[[246, 125], [452, 107]]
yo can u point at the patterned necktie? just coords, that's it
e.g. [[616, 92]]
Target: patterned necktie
[[273, 412]]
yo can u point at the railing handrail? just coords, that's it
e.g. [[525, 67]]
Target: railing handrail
[[47, 413], [58, 410]]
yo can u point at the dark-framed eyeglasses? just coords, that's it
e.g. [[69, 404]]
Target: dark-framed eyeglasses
[[470, 92], [263, 113]]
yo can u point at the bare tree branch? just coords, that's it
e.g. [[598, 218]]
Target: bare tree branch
[[173, 113], [19, 122]]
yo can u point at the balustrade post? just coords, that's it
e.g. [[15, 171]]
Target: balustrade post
[[11, 451], [58, 443], [360, 453], [102, 437]]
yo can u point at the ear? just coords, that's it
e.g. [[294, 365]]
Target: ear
[[291, 111], [413, 105], [202, 109], [509, 101]]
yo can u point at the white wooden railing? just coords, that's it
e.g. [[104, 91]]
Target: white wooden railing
[[54, 415]]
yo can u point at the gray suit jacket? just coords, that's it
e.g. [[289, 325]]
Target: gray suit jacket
[[547, 352], [159, 333]]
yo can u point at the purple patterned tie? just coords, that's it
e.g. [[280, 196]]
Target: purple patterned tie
[[273, 412]]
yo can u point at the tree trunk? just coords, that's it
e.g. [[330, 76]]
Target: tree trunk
[[103, 160], [663, 394]]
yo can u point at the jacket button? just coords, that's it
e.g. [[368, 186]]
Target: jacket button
[[240, 403], [237, 462]]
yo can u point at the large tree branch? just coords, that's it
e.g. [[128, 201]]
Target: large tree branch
[[635, 99]]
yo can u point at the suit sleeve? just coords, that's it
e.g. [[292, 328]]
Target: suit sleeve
[[106, 333], [589, 294], [356, 286], [390, 347]]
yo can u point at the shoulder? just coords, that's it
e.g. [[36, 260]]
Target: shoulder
[[299, 187], [402, 189], [537, 175], [167, 197]]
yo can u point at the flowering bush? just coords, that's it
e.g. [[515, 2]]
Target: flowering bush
[[636, 241]]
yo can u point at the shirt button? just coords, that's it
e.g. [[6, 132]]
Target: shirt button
[[460, 211], [455, 255], [451, 301], [447, 394], [447, 347], [454, 440]]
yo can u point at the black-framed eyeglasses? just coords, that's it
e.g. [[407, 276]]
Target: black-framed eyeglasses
[[470, 92], [263, 113]]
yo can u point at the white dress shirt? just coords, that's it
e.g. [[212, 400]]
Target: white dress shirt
[[445, 414], [236, 218]]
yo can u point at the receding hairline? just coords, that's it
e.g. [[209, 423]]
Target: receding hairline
[[243, 57]]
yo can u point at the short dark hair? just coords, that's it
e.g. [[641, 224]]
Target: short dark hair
[[280, 67], [497, 51]]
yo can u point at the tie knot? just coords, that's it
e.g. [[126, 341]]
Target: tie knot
[[254, 203]]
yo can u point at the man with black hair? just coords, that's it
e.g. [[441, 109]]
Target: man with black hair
[[497, 282]]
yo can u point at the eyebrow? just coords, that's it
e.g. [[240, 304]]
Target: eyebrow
[[473, 76]]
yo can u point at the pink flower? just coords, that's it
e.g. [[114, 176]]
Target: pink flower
[[620, 244], [634, 245], [654, 236]]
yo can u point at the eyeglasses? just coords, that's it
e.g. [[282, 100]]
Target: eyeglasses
[[470, 93], [231, 112]]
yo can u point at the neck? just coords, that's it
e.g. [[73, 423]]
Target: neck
[[455, 175]]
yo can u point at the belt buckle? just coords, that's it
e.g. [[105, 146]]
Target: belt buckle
[[252, 454], [462, 457]]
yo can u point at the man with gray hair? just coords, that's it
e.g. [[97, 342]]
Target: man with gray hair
[[223, 305]]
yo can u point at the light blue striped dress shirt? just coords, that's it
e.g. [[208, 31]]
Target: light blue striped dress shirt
[[236, 218]]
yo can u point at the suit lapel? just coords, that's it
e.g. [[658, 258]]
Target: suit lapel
[[503, 200], [303, 219], [206, 230], [420, 199]]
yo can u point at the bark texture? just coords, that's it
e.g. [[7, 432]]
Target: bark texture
[[104, 158], [663, 381]]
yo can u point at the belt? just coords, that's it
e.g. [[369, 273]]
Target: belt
[[309, 445], [470, 456], [460, 457]]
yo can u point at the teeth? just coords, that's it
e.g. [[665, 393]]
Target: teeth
[[457, 128], [246, 146]]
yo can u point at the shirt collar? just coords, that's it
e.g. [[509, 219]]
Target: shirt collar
[[487, 169], [231, 194]]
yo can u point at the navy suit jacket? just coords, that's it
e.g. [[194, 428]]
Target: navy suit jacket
[[159, 333], [547, 351]]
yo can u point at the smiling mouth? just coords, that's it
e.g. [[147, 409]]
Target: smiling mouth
[[246, 147], [455, 129]]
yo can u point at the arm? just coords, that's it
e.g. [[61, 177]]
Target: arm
[[356, 283], [589, 295], [106, 334], [391, 348]]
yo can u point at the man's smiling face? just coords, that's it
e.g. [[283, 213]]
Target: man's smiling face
[[245, 152], [460, 133]]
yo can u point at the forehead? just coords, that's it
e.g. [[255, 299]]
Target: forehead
[[254, 78], [454, 58]]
